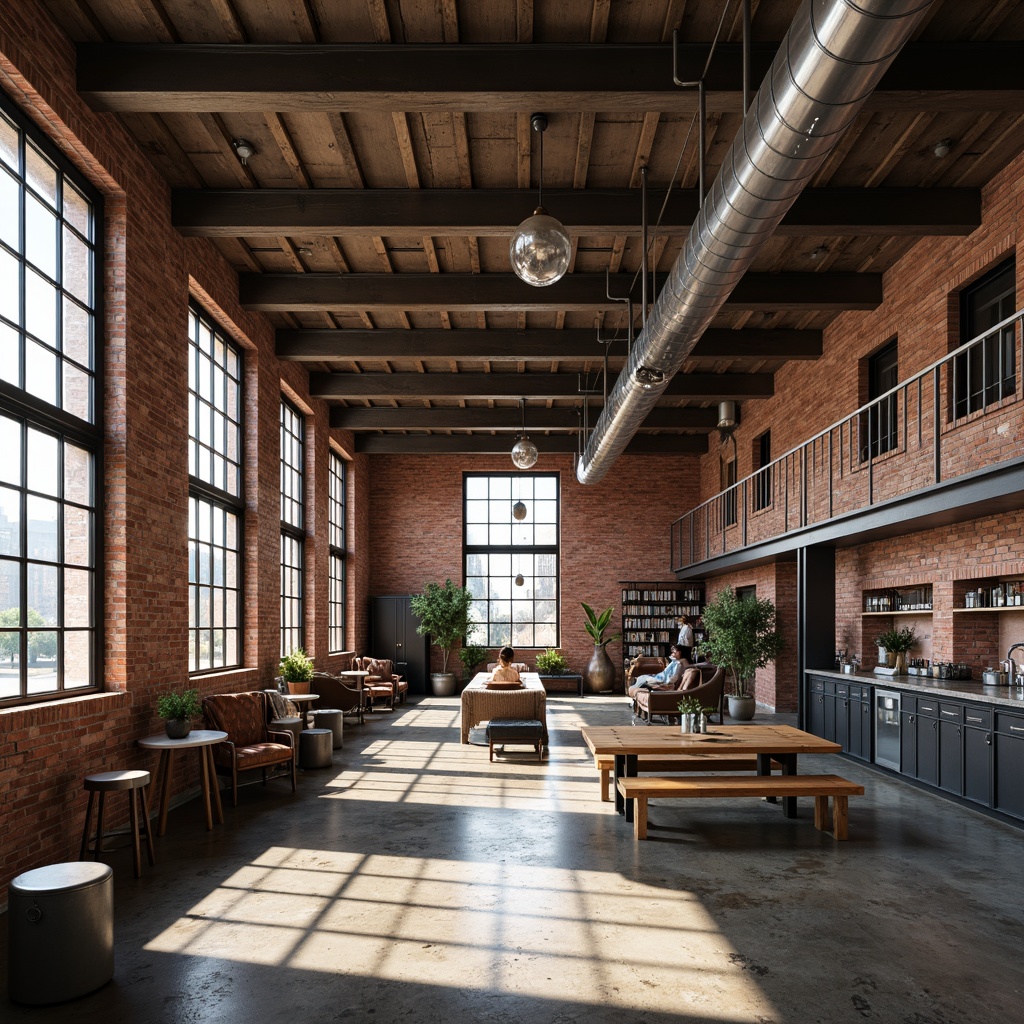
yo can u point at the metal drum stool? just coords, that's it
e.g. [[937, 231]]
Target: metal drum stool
[[315, 748], [114, 782], [60, 932], [292, 724], [329, 718]]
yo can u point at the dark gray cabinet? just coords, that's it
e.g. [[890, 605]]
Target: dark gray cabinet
[[928, 740], [816, 706], [841, 712], [978, 754], [393, 635], [951, 748], [1009, 764]]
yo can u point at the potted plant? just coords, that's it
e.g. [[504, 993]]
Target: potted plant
[[600, 674], [471, 656], [552, 663], [693, 714], [896, 642], [297, 671], [741, 638], [444, 616], [178, 710]]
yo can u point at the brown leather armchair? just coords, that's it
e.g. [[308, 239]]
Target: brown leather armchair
[[709, 691], [383, 686], [643, 666], [251, 743]]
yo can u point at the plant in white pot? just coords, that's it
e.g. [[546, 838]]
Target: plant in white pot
[[600, 673], [741, 637], [444, 617], [896, 642], [177, 710], [297, 671]]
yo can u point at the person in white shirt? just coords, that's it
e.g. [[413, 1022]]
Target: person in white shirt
[[685, 638], [668, 678]]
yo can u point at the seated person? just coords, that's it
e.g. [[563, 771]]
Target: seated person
[[505, 673], [668, 678]]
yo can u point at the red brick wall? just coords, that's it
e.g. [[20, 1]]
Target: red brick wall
[[616, 530], [150, 272]]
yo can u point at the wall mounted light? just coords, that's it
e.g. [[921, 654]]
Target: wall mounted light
[[540, 249], [243, 150], [524, 451]]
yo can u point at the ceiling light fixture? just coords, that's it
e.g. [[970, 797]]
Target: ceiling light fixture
[[942, 148], [524, 451], [820, 252], [243, 150], [540, 248]]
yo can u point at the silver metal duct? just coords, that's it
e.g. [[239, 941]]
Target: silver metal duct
[[833, 56]]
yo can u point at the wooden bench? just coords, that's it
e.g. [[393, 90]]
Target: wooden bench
[[605, 764], [821, 787]]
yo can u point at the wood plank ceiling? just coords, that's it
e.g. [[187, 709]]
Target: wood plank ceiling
[[393, 158]]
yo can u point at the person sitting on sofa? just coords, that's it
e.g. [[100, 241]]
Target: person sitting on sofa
[[668, 678], [505, 673]]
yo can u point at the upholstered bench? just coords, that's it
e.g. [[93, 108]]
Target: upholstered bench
[[528, 731]]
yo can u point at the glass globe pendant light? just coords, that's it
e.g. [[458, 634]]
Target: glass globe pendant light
[[540, 250], [524, 451]]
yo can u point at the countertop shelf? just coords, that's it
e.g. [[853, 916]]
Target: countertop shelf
[[998, 608], [967, 689], [916, 611]]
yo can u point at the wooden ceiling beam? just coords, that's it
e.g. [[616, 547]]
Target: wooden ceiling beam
[[215, 213], [358, 418], [716, 343], [193, 77], [710, 387], [467, 293], [500, 444]]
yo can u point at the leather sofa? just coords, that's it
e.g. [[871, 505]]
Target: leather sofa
[[709, 691]]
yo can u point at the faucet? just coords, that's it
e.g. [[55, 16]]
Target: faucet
[[1012, 669]]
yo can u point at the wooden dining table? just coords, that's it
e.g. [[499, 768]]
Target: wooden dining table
[[781, 743]]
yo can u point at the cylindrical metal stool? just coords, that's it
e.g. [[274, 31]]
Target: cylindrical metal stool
[[329, 718], [60, 932], [315, 746], [293, 725], [112, 782]]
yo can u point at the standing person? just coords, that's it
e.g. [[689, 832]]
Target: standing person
[[505, 673], [685, 638]]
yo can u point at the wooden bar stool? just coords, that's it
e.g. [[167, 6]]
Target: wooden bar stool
[[112, 782]]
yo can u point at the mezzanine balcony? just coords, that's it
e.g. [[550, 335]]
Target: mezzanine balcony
[[943, 445]]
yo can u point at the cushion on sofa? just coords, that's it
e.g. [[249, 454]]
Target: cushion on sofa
[[690, 679]]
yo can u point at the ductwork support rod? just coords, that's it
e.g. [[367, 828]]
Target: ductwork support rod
[[833, 56]]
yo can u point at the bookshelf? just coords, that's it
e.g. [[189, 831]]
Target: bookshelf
[[649, 613]]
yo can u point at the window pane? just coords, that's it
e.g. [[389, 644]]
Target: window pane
[[77, 660], [40, 236], [42, 594], [41, 372], [10, 355], [77, 611], [42, 529], [10, 521], [77, 391], [10, 594], [9, 229], [77, 210], [9, 144], [10, 450], [43, 462], [10, 288], [41, 174]]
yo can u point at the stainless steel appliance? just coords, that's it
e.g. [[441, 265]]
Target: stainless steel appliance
[[887, 729]]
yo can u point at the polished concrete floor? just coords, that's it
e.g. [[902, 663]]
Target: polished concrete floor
[[416, 882]]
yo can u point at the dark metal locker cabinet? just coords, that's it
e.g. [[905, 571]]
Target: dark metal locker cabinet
[[393, 635]]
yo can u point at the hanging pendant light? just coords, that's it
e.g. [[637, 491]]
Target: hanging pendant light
[[540, 250], [519, 511], [519, 579], [524, 451]]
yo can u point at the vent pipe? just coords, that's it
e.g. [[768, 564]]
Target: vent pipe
[[833, 56]]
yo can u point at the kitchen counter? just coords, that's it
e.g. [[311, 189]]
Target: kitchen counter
[[966, 689]]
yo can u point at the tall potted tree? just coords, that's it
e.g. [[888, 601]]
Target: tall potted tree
[[444, 617], [741, 637], [600, 674]]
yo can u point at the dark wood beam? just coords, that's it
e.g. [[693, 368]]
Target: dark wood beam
[[227, 213], [316, 345], [356, 418], [466, 444], [166, 78], [367, 386], [283, 293]]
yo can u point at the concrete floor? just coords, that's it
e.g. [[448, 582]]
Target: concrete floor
[[416, 882]]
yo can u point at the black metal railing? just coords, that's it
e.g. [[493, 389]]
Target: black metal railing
[[888, 448]]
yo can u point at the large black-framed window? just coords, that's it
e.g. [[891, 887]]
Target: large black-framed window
[[293, 528], [215, 496], [336, 555], [880, 422], [988, 372], [763, 477], [50, 415], [512, 565]]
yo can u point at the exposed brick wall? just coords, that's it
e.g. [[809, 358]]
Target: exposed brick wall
[[616, 530]]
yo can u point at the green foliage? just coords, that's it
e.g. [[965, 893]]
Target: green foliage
[[597, 625], [297, 667], [40, 644], [552, 663], [444, 615], [692, 706], [741, 636], [471, 656], [180, 706], [897, 640]]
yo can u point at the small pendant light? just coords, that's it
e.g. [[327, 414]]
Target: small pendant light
[[524, 451]]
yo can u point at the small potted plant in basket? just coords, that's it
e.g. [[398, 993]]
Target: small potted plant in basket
[[178, 710]]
